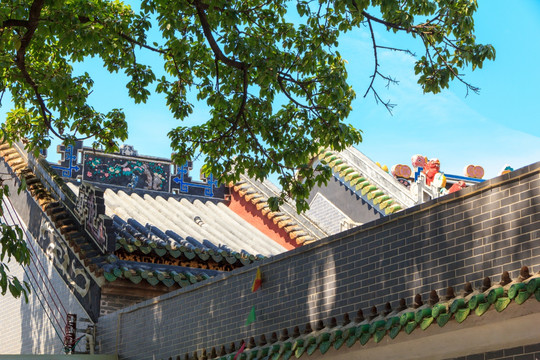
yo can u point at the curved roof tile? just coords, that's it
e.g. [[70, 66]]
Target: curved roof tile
[[298, 227]]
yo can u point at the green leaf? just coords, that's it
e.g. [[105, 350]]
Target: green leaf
[[22, 187]]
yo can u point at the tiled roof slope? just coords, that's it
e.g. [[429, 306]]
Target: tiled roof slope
[[195, 228], [102, 267], [362, 176], [299, 227], [387, 322], [155, 274]]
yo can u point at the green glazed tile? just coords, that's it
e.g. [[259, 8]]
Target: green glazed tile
[[457, 304], [426, 322], [391, 322], [462, 314], [376, 325], [252, 355], [379, 335], [351, 340], [363, 328], [145, 249], [175, 253], [160, 251], [109, 276], [325, 345], [482, 308], [532, 285], [442, 319], [263, 352], [502, 303], [494, 294], [420, 314], [521, 297], [476, 300], [339, 343], [350, 332], [438, 309], [286, 355], [394, 331], [135, 279], [514, 290], [364, 338], [406, 317], [311, 348], [411, 325]]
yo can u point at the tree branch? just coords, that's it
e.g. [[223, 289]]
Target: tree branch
[[370, 87], [32, 24], [213, 44], [14, 23]]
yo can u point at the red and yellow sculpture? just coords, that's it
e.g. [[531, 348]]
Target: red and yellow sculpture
[[431, 169], [457, 186]]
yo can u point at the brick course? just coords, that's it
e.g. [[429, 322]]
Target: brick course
[[528, 352], [461, 237]]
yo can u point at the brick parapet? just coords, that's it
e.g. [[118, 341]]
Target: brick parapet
[[466, 236]]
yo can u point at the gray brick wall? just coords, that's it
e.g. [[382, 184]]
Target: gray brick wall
[[326, 215], [111, 303], [345, 200], [462, 237]]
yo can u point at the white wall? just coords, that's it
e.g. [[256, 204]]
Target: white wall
[[25, 327]]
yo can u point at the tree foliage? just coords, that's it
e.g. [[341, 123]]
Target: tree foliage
[[12, 246], [277, 88]]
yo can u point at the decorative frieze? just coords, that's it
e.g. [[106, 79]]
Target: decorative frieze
[[130, 170], [70, 268]]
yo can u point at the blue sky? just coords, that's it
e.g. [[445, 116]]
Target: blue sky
[[498, 127]]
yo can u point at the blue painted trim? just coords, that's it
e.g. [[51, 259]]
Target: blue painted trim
[[185, 185], [464, 178], [72, 158]]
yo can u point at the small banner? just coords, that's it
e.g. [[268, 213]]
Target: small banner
[[241, 350], [257, 282], [251, 317]]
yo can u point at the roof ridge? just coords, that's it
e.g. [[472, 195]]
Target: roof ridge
[[54, 209], [361, 183], [255, 192]]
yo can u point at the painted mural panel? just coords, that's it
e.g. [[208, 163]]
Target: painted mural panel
[[121, 171]]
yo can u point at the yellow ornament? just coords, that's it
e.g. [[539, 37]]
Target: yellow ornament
[[439, 180]]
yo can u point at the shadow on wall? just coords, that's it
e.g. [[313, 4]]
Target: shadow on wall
[[42, 317]]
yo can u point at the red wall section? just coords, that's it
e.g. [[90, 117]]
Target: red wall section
[[249, 212]]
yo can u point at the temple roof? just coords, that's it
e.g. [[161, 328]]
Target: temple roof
[[159, 235], [190, 226], [300, 228], [367, 180]]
